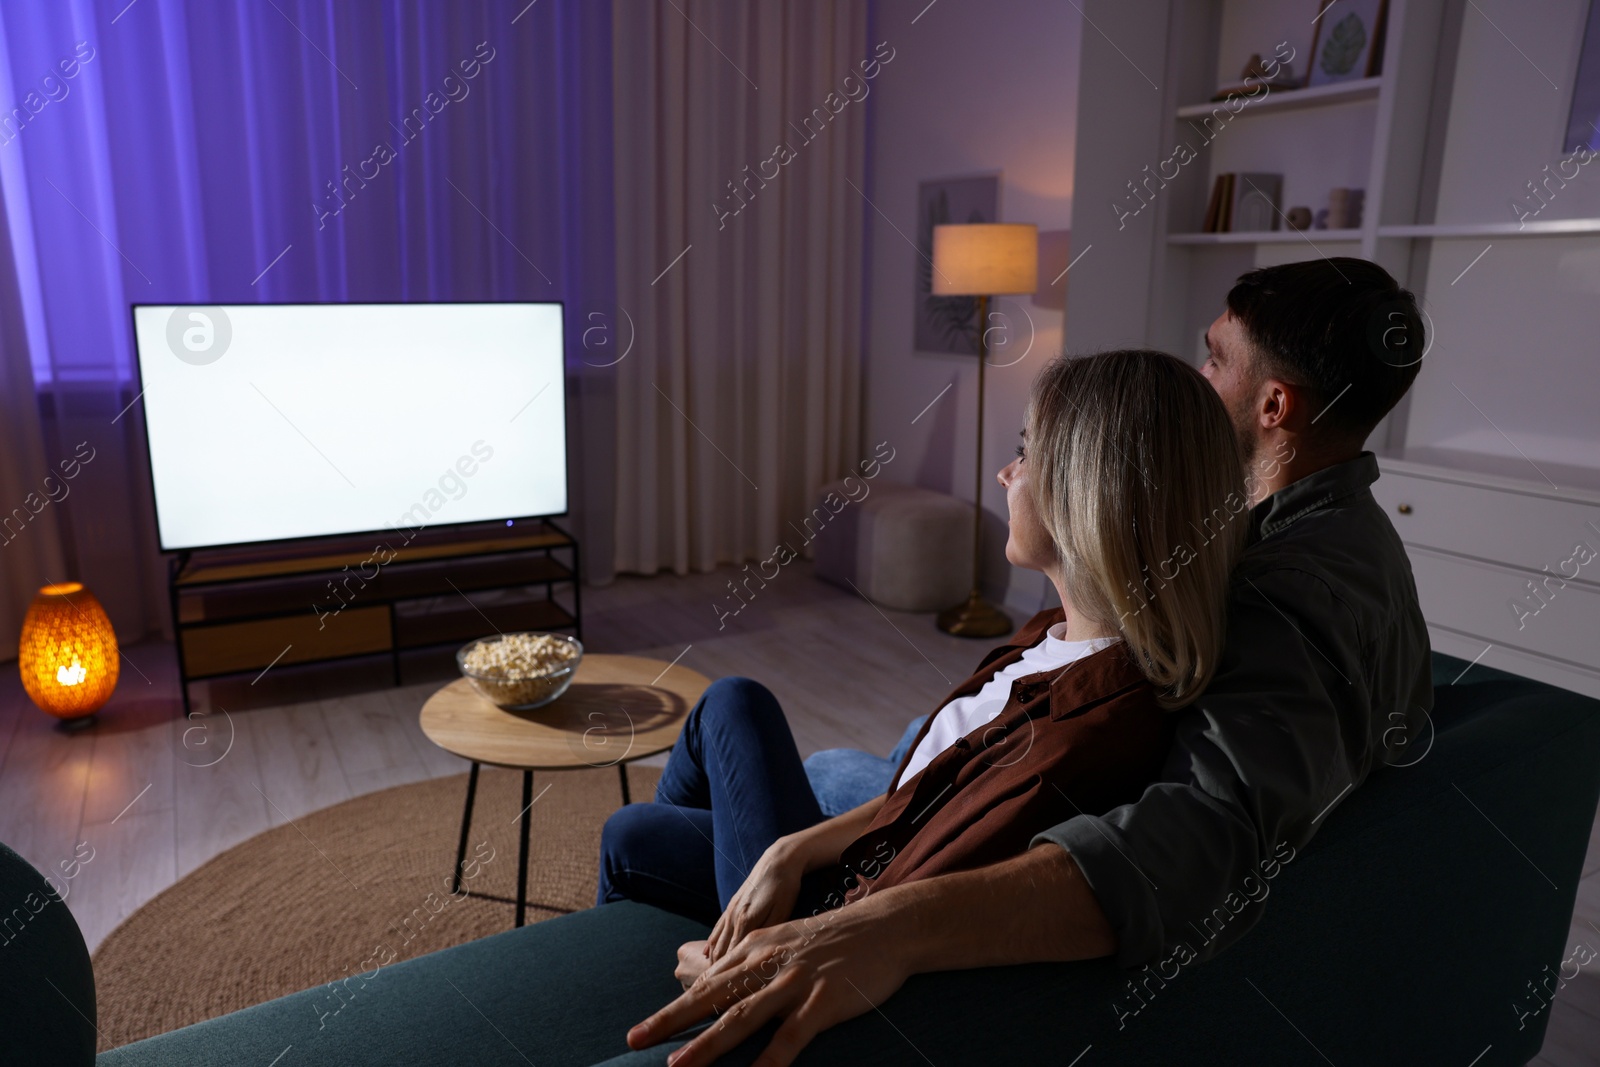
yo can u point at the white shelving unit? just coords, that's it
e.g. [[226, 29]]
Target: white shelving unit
[[1551, 228], [1286, 99], [1267, 237], [1492, 463]]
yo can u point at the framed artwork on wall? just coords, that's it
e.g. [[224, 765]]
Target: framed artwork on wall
[[1348, 42], [948, 323]]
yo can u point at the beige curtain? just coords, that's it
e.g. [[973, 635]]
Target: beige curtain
[[740, 138], [30, 486]]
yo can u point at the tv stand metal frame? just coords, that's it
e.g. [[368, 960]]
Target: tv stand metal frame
[[525, 558]]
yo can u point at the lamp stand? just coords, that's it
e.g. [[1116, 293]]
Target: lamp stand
[[976, 617]]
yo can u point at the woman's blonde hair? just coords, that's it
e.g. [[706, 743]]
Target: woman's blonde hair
[[1137, 475]]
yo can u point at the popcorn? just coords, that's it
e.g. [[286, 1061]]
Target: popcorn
[[521, 670], [517, 656]]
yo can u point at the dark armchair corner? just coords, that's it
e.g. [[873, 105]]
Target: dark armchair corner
[[47, 1013]]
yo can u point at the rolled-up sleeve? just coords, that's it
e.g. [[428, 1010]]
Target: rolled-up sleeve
[[1283, 732]]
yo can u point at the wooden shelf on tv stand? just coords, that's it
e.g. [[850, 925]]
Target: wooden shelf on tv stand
[[218, 567], [238, 611]]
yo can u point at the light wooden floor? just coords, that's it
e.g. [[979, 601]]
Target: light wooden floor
[[155, 795]]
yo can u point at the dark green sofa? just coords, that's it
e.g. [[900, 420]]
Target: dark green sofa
[[1405, 933]]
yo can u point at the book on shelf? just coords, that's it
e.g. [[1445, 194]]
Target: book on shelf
[[1223, 192], [1244, 203], [1213, 206]]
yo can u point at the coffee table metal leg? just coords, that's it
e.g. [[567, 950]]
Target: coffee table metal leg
[[466, 826], [522, 853], [622, 773]]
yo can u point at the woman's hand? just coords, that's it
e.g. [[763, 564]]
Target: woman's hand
[[766, 898]]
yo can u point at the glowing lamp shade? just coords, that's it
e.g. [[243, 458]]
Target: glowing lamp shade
[[985, 259], [68, 654]]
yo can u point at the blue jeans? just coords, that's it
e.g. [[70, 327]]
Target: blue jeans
[[846, 778], [733, 785]]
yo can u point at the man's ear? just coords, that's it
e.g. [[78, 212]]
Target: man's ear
[[1277, 403]]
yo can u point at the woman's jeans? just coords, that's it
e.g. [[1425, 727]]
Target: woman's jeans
[[733, 785]]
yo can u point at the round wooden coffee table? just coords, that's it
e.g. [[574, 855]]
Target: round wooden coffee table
[[617, 710]]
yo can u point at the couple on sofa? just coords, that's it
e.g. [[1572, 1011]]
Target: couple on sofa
[[1238, 644]]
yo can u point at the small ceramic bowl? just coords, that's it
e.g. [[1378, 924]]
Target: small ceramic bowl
[[525, 692]]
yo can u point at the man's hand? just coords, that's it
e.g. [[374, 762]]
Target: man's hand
[[817, 972], [767, 897], [812, 973]]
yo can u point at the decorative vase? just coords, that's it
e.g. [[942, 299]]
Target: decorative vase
[[68, 653]]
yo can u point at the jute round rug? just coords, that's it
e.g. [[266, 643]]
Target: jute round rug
[[347, 888]]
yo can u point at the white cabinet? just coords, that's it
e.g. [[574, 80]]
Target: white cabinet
[[1506, 575], [1519, 528]]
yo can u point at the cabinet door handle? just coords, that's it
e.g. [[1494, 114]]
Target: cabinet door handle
[[1404, 509]]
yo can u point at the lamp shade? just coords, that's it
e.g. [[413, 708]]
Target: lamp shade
[[985, 259], [68, 653]]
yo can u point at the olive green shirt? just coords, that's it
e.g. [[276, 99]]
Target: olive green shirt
[[1325, 675]]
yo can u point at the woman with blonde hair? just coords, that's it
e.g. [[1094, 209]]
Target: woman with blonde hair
[[1126, 493]]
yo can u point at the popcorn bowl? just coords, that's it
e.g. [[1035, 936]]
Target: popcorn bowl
[[521, 671]]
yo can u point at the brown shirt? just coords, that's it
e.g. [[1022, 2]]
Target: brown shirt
[[1082, 738]]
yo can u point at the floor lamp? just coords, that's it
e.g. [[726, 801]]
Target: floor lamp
[[982, 260]]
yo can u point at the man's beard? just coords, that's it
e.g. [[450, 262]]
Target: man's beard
[[1241, 413]]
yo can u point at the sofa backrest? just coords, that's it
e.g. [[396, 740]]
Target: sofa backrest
[[1410, 929]]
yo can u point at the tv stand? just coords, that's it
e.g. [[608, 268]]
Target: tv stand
[[248, 610]]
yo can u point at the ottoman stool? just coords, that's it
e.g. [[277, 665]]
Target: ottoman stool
[[905, 548]]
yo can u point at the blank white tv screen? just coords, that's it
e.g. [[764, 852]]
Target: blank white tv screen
[[268, 422]]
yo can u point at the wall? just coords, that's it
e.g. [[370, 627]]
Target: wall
[[975, 87]]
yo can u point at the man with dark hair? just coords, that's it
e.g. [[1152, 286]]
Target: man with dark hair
[[1341, 331], [1325, 675]]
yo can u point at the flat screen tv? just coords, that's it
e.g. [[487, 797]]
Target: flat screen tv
[[272, 422]]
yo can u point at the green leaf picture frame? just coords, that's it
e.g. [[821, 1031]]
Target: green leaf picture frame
[[1347, 44]]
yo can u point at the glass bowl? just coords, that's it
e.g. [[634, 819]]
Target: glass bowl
[[524, 692]]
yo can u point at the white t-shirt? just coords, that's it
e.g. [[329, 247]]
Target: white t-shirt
[[964, 714]]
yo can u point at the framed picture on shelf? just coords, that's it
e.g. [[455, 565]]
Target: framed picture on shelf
[[948, 323], [1256, 203], [1347, 44]]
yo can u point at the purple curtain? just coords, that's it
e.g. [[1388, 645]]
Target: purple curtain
[[228, 151]]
